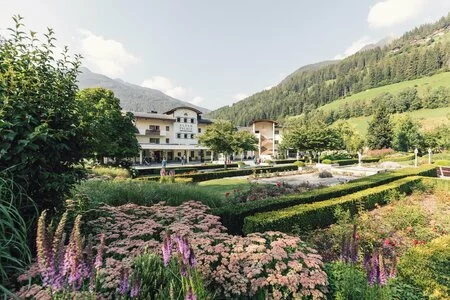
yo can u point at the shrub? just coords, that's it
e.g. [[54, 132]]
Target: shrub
[[180, 169], [241, 164], [444, 163], [325, 174], [269, 265], [268, 161], [427, 266], [399, 158], [345, 162], [299, 163], [284, 161], [144, 193], [233, 217], [14, 251], [321, 214], [380, 153], [327, 161], [110, 171]]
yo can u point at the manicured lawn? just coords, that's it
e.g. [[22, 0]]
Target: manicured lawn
[[220, 187]]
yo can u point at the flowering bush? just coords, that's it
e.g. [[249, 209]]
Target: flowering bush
[[259, 191], [380, 153]]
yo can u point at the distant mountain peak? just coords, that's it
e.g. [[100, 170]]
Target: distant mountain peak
[[132, 97]]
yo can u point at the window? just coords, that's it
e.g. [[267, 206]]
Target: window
[[167, 128], [178, 136], [192, 154], [154, 127], [167, 141], [276, 142], [185, 120], [185, 136], [179, 154], [154, 141], [208, 153], [277, 132], [257, 131], [199, 130], [192, 136], [178, 119], [192, 120]]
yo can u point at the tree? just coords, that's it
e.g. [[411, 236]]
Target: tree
[[312, 136], [244, 141], [379, 134], [40, 136], [109, 132], [406, 134], [353, 141], [219, 138]]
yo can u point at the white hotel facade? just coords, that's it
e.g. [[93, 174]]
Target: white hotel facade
[[174, 134]]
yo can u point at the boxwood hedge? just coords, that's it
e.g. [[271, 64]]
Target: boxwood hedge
[[321, 214], [233, 216], [180, 169]]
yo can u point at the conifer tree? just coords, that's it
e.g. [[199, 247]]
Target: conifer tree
[[379, 134]]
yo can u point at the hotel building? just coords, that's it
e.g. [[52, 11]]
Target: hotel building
[[174, 135]]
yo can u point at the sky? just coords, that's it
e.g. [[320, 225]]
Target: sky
[[215, 53]]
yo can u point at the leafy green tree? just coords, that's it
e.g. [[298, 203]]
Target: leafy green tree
[[244, 141], [353, 141], [438, 139], [109, 132], [40, 136], [219, 138], [312, 136], [379, 134], [406, 134]]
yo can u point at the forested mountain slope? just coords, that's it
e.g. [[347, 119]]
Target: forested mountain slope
[[421, 52]]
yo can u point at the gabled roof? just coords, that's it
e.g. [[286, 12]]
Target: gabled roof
[[263, 120], [181, 107], [152, 116]]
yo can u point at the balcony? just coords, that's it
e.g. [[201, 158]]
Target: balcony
[[152, 132]]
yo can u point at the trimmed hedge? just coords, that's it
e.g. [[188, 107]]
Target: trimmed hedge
[[437, 184], [346, 162], [181, 169], [321, 214], [198, 177], [399, 158], [286, 161], [233, 216]]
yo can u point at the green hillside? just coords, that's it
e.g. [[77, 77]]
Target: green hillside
[[421, 84], [428, 118]]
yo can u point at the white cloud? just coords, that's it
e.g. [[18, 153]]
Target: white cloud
[[103, 55], [355, 47], [166, 86], [196, 100], [391, 12], [240, 96]]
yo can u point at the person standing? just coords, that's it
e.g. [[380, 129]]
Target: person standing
[[164, 163], [182, 160]]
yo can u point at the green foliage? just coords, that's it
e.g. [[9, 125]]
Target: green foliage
[[299, 164], [144, 193], [346, 162], [14, 251], [426, 266], [327, 161], [160, 282], [352, 140], [109, 133], [406, 135], [321, 214], [233, 217], [40, 136], [379, 135], [180, 169], [306, 135], [111, 171], [400, 158], [244, 141], [444, 163], [438, 139]]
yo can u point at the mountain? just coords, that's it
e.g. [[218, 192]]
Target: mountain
[[382, 43], [421, 52], [132, 97]]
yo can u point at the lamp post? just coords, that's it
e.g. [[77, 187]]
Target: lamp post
[[429, 156], [318, 157], [415, 155]]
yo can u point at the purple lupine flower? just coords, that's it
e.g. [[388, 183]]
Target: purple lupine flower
[[183, 248], [373, 270], [190, 295], [99, 257], [123, 285], [135, 289], [167, 249]]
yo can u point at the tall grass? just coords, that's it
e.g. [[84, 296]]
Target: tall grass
[[14, 251], [145, 193], [111, 171]]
